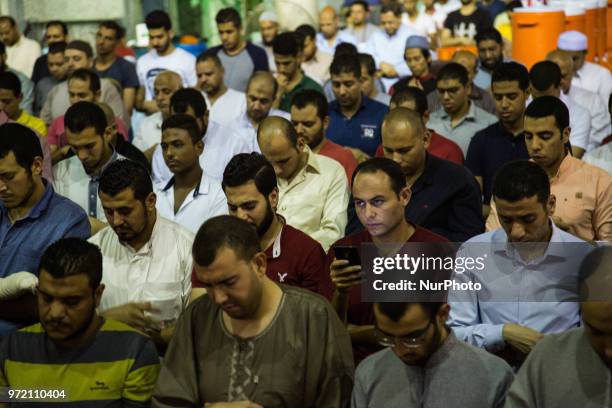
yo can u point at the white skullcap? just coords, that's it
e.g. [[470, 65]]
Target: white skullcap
[[268, 16], [572, 41]]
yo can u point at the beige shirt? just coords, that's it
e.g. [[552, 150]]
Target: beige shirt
[[316, 200], [584, 200], [22, 55], [318, 67]]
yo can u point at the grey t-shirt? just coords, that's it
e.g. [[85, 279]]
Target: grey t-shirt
[[238, 69]]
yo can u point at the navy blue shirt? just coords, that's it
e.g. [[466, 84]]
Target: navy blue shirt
[[362, 131], [23, 243], [122, 71], [491, 148]]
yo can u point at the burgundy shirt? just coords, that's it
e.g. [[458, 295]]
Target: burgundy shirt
[[439, 146]]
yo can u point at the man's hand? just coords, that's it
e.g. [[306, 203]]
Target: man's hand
[[236, 404], [521, 338], [343, 276], [133, 314], [283, 82], [17, 284], [560, 223], [388, 70]]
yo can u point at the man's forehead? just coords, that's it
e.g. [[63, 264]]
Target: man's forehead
[[124, 198], [71, 285], [543, 123], [8, 162], [526, 205], [173, 134], [343, 76], [369, 185]]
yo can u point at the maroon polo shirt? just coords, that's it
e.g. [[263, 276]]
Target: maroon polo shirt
[[293, 259]]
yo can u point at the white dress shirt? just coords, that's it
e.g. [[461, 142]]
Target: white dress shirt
[[221, 143], [580, 122], [22, 55], [600, 157], [148, 132], [594, 78], [244, 126], [341, 37], [600, 118], [205, 201], [316, 200], [160, 270], [227, 108]]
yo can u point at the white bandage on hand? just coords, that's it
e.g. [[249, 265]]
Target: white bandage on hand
[[17, 284]]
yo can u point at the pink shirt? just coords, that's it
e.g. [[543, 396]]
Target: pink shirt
[[57, 134]]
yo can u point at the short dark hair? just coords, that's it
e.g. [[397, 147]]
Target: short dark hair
[[209, 56], [73, 256], [286, 44], [158, 19], [8, 80], [521, 179], [389, 167], [86, 74], [549, 106], [307, 31], [82, 46], [124, 173], [83, 115], [345, 64], [425, 53], [184, 98], [57, 47], [545, 74], [22, 141], [510, 72], [453, 70], [113, 25], [345, 48], [411, 94], [245, 167], [225, 231], [311, 97], [229, 15], [396, 310], [284, 125], [185, 122], [9, 19], [489, 34], [57, 23], [361, 3], [367, 61], [394, 8]]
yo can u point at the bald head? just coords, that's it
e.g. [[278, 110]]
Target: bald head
[[405, 140], [328, 22], [260, 93], [279, 143], [405, 118], [273, 128], [565, 63], [170, 77], [261, 80], [166, 83], [468, 60]]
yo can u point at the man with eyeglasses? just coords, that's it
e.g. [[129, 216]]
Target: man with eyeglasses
[[421, 357]]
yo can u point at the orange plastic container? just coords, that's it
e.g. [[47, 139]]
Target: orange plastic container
[[446, 53], [575, 19], [602, 37], [534, 33], [591, 29]]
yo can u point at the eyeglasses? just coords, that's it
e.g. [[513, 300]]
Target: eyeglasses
[[408, 341]]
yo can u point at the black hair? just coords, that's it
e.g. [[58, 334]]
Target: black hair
[[86, 74], [545, 74], [411, 94], [361, 3], [511, 71], [185, 122], [396, 310], [396, 175], [184, 98], [345, 48], [311, 97], [225, 231], [245, 167], [489, 34], [83, 115], [394, 8], [287, 44], [82, 46], [22, 141], [113, 25], [367, 61], [209, 56], [158, 19], [521, 179], [307, 31], [453, 70], [8, 80], [122, 174], [57, 47], [229, 15], [549, 106], [73, 256], [345, 64], [57, 23]]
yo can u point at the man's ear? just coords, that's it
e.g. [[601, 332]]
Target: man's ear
[[260, 261], [273, 198], [150, 202], [37, 166], [325, 123], [199, 147], [405, 195], [551, 205], [98, 294]]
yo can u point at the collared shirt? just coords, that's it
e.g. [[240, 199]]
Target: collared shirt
[[227, 108], [243, 125], [476, 119], [594, 78], [580, 122], [315, 201], [584, 200], [427, 81], [305, 83], [22, 55], [160, 270], [148, 132], [600, 117], [32, 122], [362, 130], [74, 183], [470, 377], [600, 157], [342, 36], [362, 36], [221, 143], [23, 242], [317, 67], [205, 201], [513, 287], [340, 154], [491, 148], [446, 200]]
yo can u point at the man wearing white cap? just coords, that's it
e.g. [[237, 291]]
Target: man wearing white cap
[[268, 27], [587, 75]]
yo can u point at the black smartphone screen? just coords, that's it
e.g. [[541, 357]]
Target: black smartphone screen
[[349, 253]]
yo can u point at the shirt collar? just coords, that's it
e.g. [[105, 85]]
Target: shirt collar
[[201, 188], [567, 165], [114, 156], [40, 207], [276, 245], [556, 251], [470, 115]]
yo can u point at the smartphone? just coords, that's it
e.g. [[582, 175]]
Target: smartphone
[[349, 253]]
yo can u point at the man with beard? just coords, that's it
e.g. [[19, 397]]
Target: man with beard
[[163, 56], [251, 342], [421, 349], [490, 54], [146, 257], [56, 32], [22, 52], [359, 26], [251, 188], [268, 26], [315, 63], [101, 359]]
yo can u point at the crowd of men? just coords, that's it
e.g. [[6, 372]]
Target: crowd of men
[[174, 231]]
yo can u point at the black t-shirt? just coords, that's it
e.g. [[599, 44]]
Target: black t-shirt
[[468, 26]]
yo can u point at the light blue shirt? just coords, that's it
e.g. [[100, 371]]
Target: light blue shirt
[[511, 289], [341, 37]]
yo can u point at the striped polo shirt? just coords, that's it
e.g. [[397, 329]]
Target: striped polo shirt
[[119, 365]]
